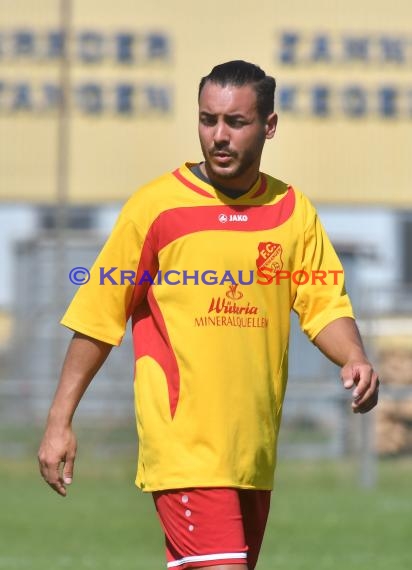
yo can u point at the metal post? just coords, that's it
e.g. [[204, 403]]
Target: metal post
[[62, 170], [368, 461]]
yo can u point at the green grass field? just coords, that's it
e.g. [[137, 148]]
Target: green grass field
[[321, 519]]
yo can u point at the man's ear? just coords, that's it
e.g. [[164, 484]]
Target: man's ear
[[271, 123]]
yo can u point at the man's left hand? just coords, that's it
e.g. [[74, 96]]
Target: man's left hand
[[361, 376]]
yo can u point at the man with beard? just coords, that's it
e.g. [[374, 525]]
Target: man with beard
[[210, 348]]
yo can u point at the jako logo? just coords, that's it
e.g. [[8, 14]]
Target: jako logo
[[232, 218]]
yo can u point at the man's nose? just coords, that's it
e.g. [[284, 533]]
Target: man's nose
[[221, 134]]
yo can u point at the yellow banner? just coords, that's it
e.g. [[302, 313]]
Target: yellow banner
[[344, 95]]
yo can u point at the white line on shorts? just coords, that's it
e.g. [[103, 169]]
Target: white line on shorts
[[205, 557]]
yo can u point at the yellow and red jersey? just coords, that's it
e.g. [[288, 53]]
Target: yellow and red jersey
[[209, 283]]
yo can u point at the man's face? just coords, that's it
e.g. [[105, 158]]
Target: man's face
[[232, 134]]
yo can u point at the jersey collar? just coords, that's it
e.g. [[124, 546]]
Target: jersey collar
[[186, 176]]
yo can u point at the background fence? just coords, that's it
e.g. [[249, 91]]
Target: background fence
[[317, 422]]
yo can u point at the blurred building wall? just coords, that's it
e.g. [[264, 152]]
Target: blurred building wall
[[344, 73]]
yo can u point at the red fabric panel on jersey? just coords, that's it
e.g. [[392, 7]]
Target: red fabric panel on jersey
[[262, 188], [148, 265], [172, 224], [177, 222], [148, 323], [186, 182], [190, 185]]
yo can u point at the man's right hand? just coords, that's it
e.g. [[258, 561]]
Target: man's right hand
[[57, 452], [56, 457]]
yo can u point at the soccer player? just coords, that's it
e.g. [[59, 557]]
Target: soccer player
[[207, 262]]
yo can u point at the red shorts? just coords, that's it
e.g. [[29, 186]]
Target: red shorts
[[212, 526]]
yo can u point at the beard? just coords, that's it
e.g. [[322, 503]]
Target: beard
[[235, 168], [240, 165]]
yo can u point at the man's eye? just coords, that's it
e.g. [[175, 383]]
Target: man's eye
[[208, 121], [236, 123]]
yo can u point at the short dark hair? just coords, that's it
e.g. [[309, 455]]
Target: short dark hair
[[240, 73]]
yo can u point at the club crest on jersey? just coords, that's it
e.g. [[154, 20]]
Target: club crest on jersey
[[223, 218], [270, 257]]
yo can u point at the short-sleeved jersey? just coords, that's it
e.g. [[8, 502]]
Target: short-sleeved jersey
[[209, 283]]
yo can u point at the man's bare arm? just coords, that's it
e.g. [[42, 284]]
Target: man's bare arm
[[341, 342], [57, 452]]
